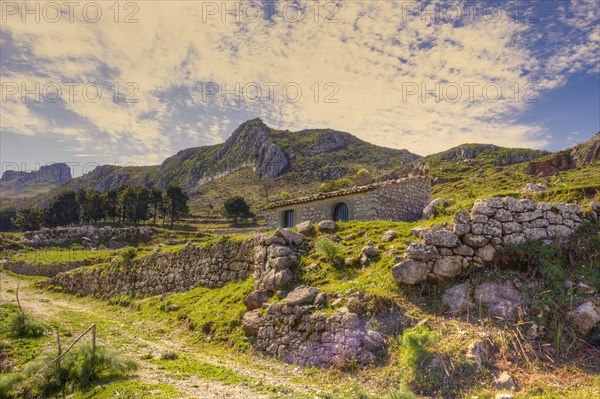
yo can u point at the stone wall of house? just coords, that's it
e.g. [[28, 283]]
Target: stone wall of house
[[475, 237], [403, 201], [397, 200]]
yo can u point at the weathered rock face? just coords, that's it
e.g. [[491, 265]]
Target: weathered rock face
[[330, 141], [588, 152], [475, 237], [558, 163], [295, 332], [57, 173], [162, 272], [89, 236]]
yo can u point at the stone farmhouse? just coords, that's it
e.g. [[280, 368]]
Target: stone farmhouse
[[393, 200]]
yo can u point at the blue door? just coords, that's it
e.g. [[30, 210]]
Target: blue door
[[340, 213], [288, 219]]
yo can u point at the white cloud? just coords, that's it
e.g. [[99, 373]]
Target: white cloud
[[370, 55]]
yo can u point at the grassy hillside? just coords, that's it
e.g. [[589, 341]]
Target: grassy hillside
[[188, 340]]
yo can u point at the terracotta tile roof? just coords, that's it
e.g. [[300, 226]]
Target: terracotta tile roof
[[339, 193]]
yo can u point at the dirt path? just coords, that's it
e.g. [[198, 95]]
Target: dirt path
[[262, 372]]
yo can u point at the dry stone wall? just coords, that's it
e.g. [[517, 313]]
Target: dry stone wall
[[294, 331], [162, 272], [89, 236], [475, 237]]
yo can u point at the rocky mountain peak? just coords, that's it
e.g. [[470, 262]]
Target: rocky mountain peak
[[58, 173], [250, 135], [588, 152]]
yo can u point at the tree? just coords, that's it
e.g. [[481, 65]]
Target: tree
[[63, 210], [7, 218], [28, 219], [266, 187], [362, 177], [155, 200], [177, 203], [236, 208], [134, 204], [92, 206], [112, 203], [334, 185]]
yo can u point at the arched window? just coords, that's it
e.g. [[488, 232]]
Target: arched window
[[340, 212]]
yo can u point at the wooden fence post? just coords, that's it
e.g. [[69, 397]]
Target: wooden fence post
[[94, 339]]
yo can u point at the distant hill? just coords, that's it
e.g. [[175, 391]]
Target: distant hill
[[22, 184], [297, 161]]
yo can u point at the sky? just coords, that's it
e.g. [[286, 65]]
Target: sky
[[133, 82]]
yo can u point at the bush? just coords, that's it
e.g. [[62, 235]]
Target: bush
[[22, 325], [128, 253], [78, 369], [414, 342], [169, 356], [329, 249]]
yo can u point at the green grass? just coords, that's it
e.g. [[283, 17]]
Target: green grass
[[186, 366], [376, 277]]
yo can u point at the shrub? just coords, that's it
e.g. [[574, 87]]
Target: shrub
[[128, 253], [329, 249], [78, 369], [414, 342], [400, 392], [23, 325], [169, 356]]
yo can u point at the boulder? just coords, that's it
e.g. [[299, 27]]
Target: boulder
[[461, 229], [475, 240], [477, 352], [431, 209], [441, 238], [370, 251], [419, 231], [326, 226], [290, 237], [462, 217], [251, 322], [486, 253], [302, 295], [422, 252], [256, 299], [274, 280], [449, 266], [410, 272], [389, 236], [505, 381], [305, 228], [585, 318], [480, 207], [458, 298], [500, 300]]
